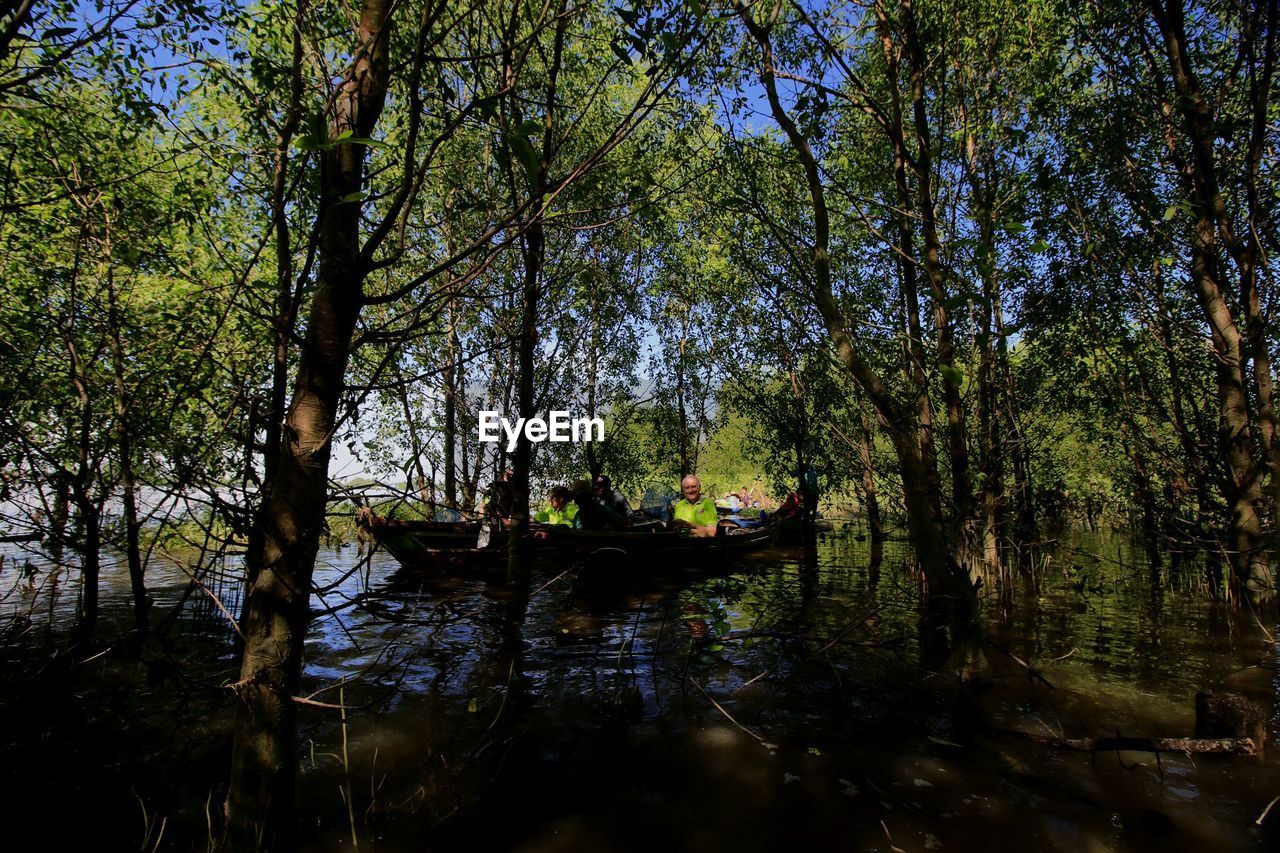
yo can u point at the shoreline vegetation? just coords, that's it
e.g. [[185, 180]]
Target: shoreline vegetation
[[996, 275]]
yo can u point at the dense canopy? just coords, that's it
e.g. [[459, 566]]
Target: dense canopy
[[973, 270]]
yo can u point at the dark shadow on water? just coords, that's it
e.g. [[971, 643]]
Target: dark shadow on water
[[785, 700]]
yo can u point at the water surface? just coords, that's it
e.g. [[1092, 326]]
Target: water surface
[[778, 702]]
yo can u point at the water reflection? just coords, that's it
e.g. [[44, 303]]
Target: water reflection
[[777, 701]]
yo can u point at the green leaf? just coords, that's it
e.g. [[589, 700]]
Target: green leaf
[[1170, 212], [1014, 227], [952, 375], [473, 706], [1039, 247], [530, 127], [525, 154], [358, 195], [620, 52], [715, 647]]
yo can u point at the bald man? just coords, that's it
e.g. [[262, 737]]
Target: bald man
[[695, 513]]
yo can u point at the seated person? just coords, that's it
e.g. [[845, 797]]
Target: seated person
[[695, 513], [593, 515], [792, 507], [498, 507], [611, 498], [560, 511]]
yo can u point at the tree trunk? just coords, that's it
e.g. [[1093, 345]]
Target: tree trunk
[[284, 315], [533, 247], [259, 806], [1249, 560], [88, 512], [533, 243], [1247, 253], [594, 468], [683, 416], [950, 596], [128, 482], [961, 485], [916, 360], [874, 522], [90, 564], [451, 414]]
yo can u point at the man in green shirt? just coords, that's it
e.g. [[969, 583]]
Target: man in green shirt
[[696, 513], [560, 511]]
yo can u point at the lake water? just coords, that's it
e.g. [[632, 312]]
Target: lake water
[[780, 703]]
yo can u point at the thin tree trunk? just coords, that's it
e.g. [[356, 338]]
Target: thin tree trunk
[[683, 417], [594, 468], [451, 414], [916, 368], [89, 513], [991, 454], [533, 251], [961, 485], [128, 481], [874, 522], [1247, 253], [951, 597]]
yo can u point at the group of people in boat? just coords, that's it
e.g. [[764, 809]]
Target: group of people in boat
[[746, 498], [599, 506]]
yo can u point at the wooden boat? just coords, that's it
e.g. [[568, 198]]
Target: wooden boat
[[658, 543], [453, 545], [413, 541], [790, 530]]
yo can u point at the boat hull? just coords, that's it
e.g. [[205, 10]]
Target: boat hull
[[452, 546]]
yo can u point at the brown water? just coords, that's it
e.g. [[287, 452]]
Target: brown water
[[776, 705]]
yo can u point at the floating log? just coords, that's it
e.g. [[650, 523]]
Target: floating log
[[1196, 745]]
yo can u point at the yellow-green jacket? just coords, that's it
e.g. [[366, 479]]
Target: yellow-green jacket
[[550, 515], [699, 515]]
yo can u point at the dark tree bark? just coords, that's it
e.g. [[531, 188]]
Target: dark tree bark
[[259, 805], [686, 467], [451, 412], [874, 522], [957, 441], [82, 483], [533, 255], [128, 480], [1213, 228], [285, 313], [916, 361]]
